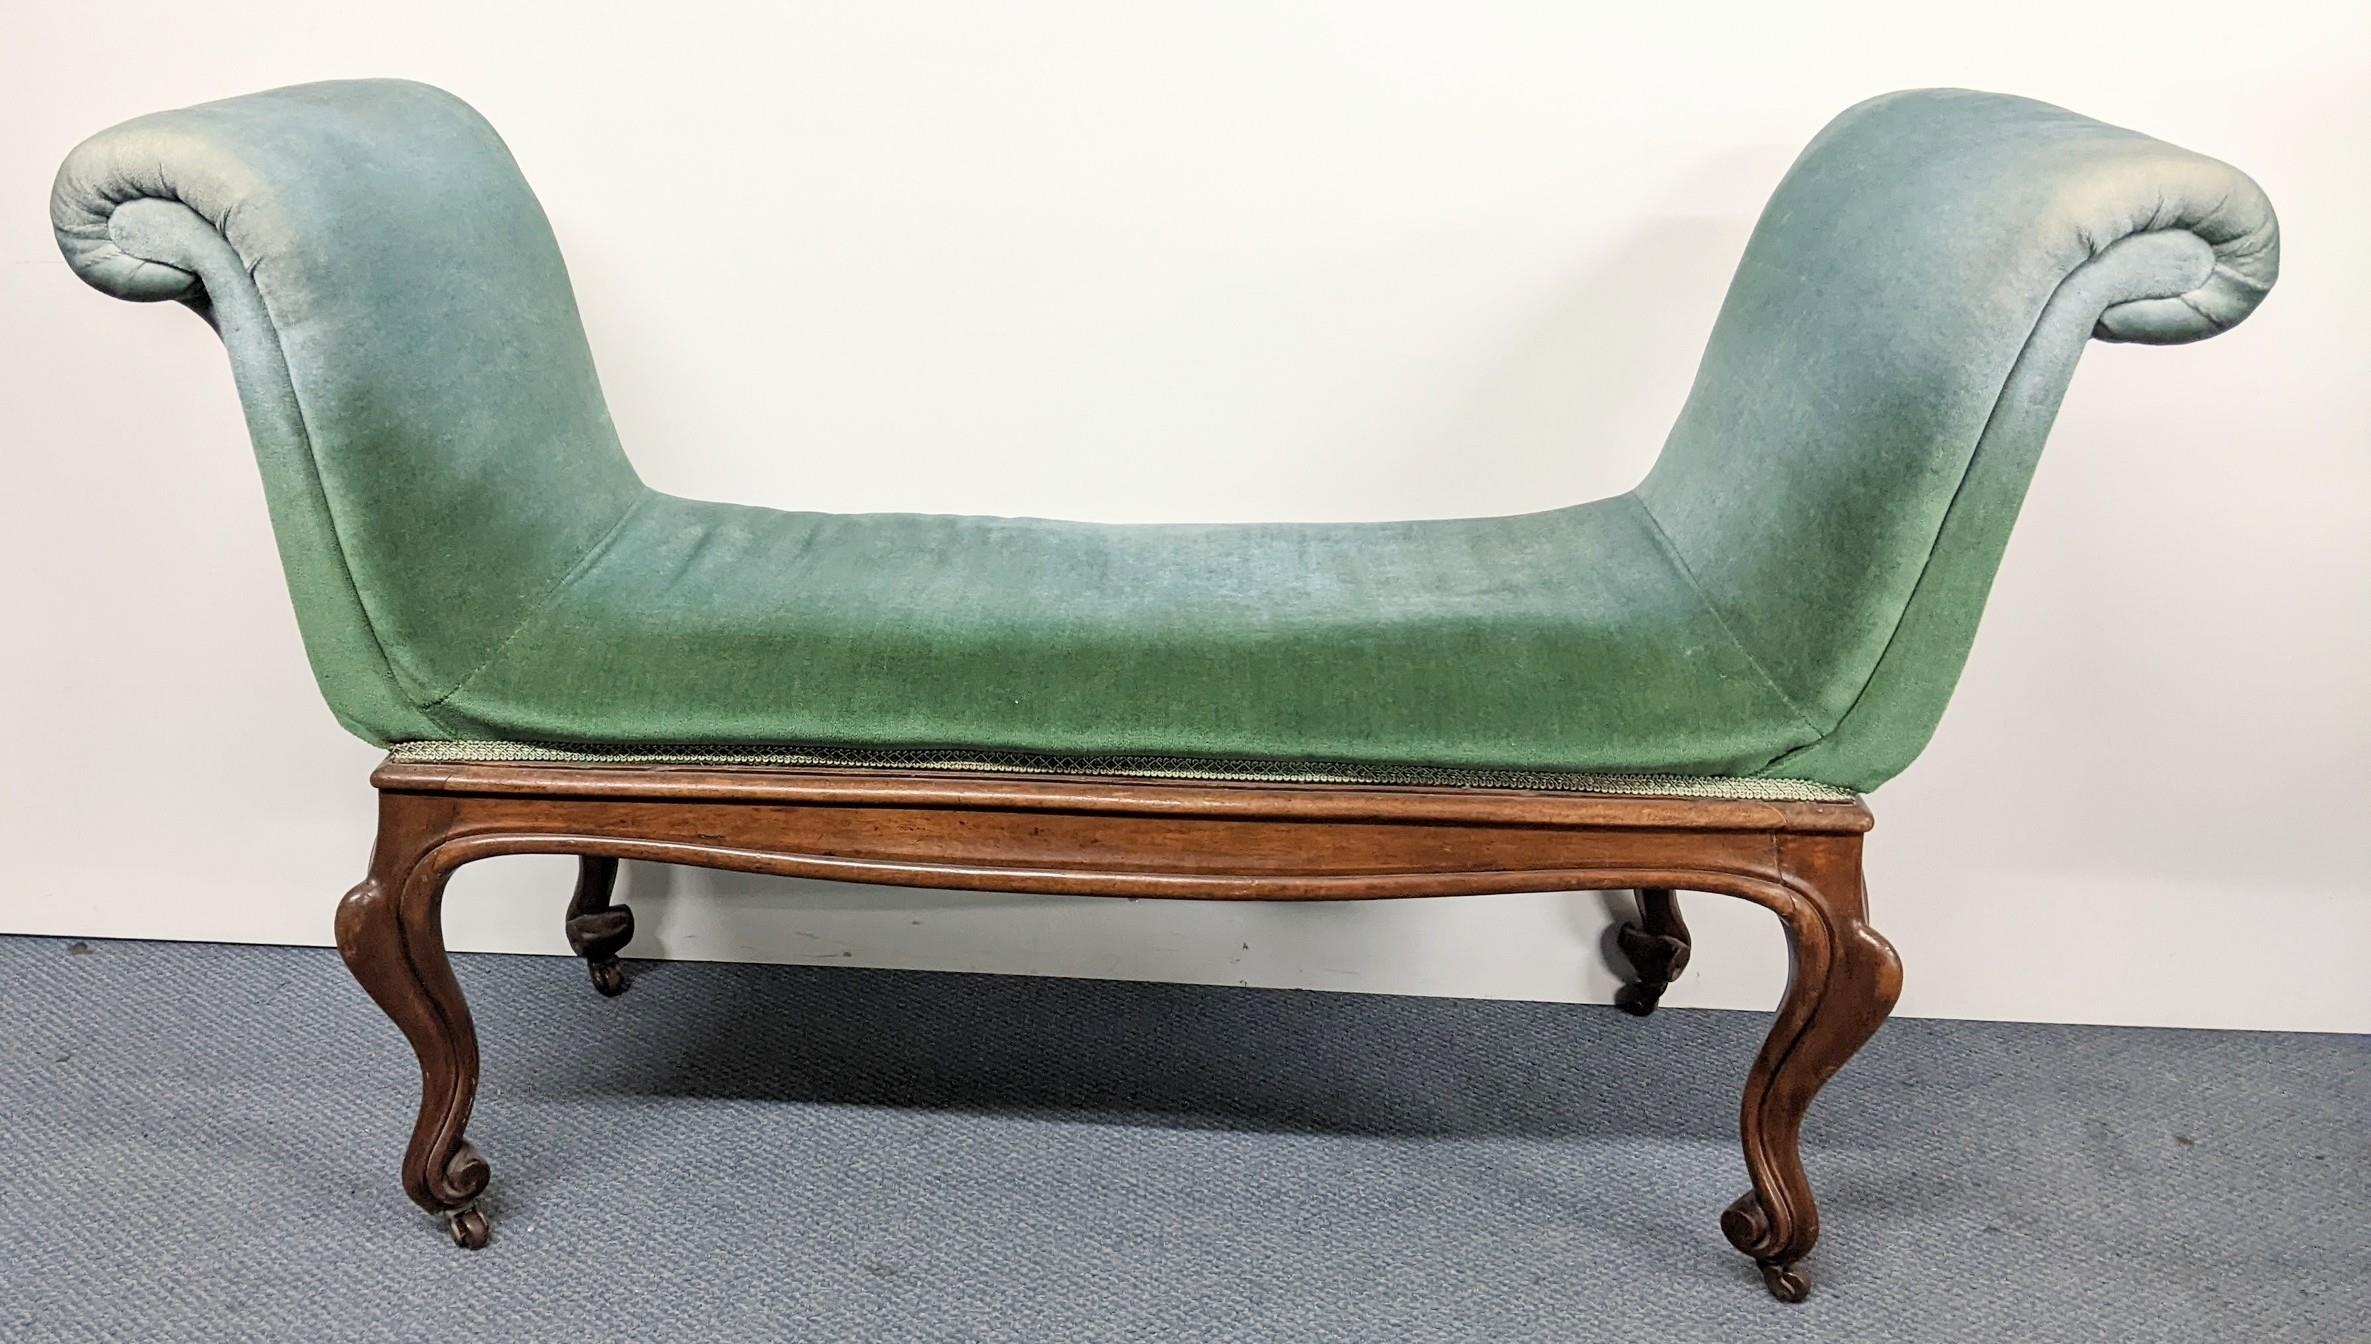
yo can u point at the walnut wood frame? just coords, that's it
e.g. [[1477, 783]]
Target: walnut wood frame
[[1093, 835]]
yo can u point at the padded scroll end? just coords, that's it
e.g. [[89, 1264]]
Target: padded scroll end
[[121, 221], [147, 209], [1936, 186], [2224, 209]]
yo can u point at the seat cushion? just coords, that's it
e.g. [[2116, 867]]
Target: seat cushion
[[1562, 641]]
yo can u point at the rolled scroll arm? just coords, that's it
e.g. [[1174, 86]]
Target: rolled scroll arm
[[1885, 369], [408, 353]]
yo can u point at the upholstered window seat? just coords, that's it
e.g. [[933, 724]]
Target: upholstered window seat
[[1683, 687]]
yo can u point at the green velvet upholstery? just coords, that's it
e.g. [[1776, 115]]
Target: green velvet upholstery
[[1791, 592]]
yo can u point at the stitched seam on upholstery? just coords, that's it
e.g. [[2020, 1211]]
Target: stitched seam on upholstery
[[1935, 544], [304, 428], [329, 509], [1680, 563], [542, 604], [1967, 474], [1991, 418], [2233, 275]]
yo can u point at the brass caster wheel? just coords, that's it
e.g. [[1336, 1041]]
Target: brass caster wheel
[[470, 1230], [1638, 1000], [1785, 1283], [1747, 1226], [609, 976]]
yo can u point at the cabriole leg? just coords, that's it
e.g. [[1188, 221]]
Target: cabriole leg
[[1844, 981], [390, 931], [597, 930], [1656, 944]]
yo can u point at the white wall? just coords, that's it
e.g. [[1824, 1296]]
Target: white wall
[[1244, 261]]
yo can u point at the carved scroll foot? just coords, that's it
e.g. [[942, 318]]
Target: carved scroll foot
[[1747, 1225], [390, 932], [597, 930], [1656, 944], [1845, 980]]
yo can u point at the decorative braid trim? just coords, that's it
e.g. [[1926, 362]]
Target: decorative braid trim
[[1145, 767]]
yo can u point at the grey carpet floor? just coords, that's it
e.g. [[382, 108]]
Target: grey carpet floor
[[199, 1143]]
